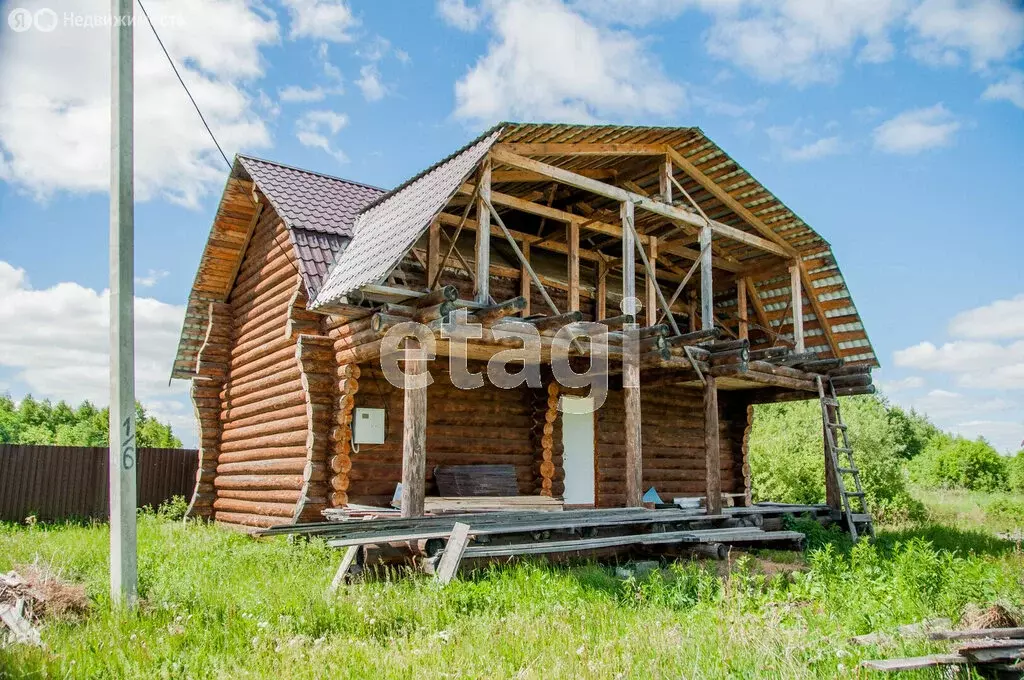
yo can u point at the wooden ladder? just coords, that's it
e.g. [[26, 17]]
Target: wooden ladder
[[832, 421]]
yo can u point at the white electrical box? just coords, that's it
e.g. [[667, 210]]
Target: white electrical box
[[368, 426]]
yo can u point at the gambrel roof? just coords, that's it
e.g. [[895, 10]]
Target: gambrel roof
[[369, 231]]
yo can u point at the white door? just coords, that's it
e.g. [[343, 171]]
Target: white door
[[578, 449]]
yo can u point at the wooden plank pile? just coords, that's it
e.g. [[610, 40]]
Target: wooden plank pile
[[992, 652]]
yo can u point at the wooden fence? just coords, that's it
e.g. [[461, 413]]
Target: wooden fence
[[59, 482]]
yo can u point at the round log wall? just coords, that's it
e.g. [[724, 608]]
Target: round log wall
[[261, 462], [464, 427], [672, 432]]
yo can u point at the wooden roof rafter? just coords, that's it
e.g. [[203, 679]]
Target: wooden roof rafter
[[499, 155]]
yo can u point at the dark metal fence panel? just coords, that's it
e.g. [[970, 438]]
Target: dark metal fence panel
[[59, 482]]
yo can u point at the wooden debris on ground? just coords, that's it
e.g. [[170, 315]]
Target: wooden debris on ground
[[26, 599], [996, 650]]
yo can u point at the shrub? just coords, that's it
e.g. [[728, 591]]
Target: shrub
[[958, 463], [1005, 508], [1015, 472], [787, 457]]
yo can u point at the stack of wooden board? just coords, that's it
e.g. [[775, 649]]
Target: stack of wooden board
[[991, 651], [460, 504]]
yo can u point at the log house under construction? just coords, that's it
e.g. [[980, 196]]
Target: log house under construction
[[552, 224]]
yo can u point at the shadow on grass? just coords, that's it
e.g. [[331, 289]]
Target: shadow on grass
[[943, 537]]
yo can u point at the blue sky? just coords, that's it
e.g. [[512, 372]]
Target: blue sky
[[894, 127]]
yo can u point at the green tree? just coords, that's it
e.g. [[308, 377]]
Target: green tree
[[959, 463], [787, 457], [39, 422], [1015, 472]]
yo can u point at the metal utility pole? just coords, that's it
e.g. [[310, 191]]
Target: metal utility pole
[[123, 558]]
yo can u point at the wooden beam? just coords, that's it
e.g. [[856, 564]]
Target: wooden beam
[[741, 307], [665, 181], [573, 238], [524, 278], [452, 555], [483, 234], [516, 176], [819, 311], [582, 149], [434, 252], [634, 444], [591, 224], [651, 297], [712, 448], [707, 291], [414, 436], [722, 195], [602, 290], [500, 155], [258, 210], [631, 367], [628, 262], [797, 306], [755, 300], [347, 560]]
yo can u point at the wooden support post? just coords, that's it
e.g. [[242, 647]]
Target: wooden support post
[[707, 292], [572, 237], [483, 234], [712, 450], [798, 308], [665, 181], [691, 311], [524, 278], [741, 308], [634, 445], [414, 437], [434, 253], [628, 262], [631, 368], [602, 290], [651, 298]]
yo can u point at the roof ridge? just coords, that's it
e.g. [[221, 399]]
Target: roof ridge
[[309, 172]]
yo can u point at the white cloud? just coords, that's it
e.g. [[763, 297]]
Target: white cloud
[[297, 93], [1000, 319], [332, 72], [803, 42], [911, 382], [321, 19], [152, 277], [1006, 436], [458, 14], [719, 107], [819, 148], [986, 31], [985, 365], [1010, 89], [996, 418], [370, 84], [56, 341], [799, 142], [917, 130], [316, 129], [989, 374], [55, 103], [547, 62]]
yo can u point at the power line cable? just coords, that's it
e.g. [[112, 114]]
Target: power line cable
[[191, 98]]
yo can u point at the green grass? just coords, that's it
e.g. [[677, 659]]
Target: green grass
[[218, 604], [994, 512]]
